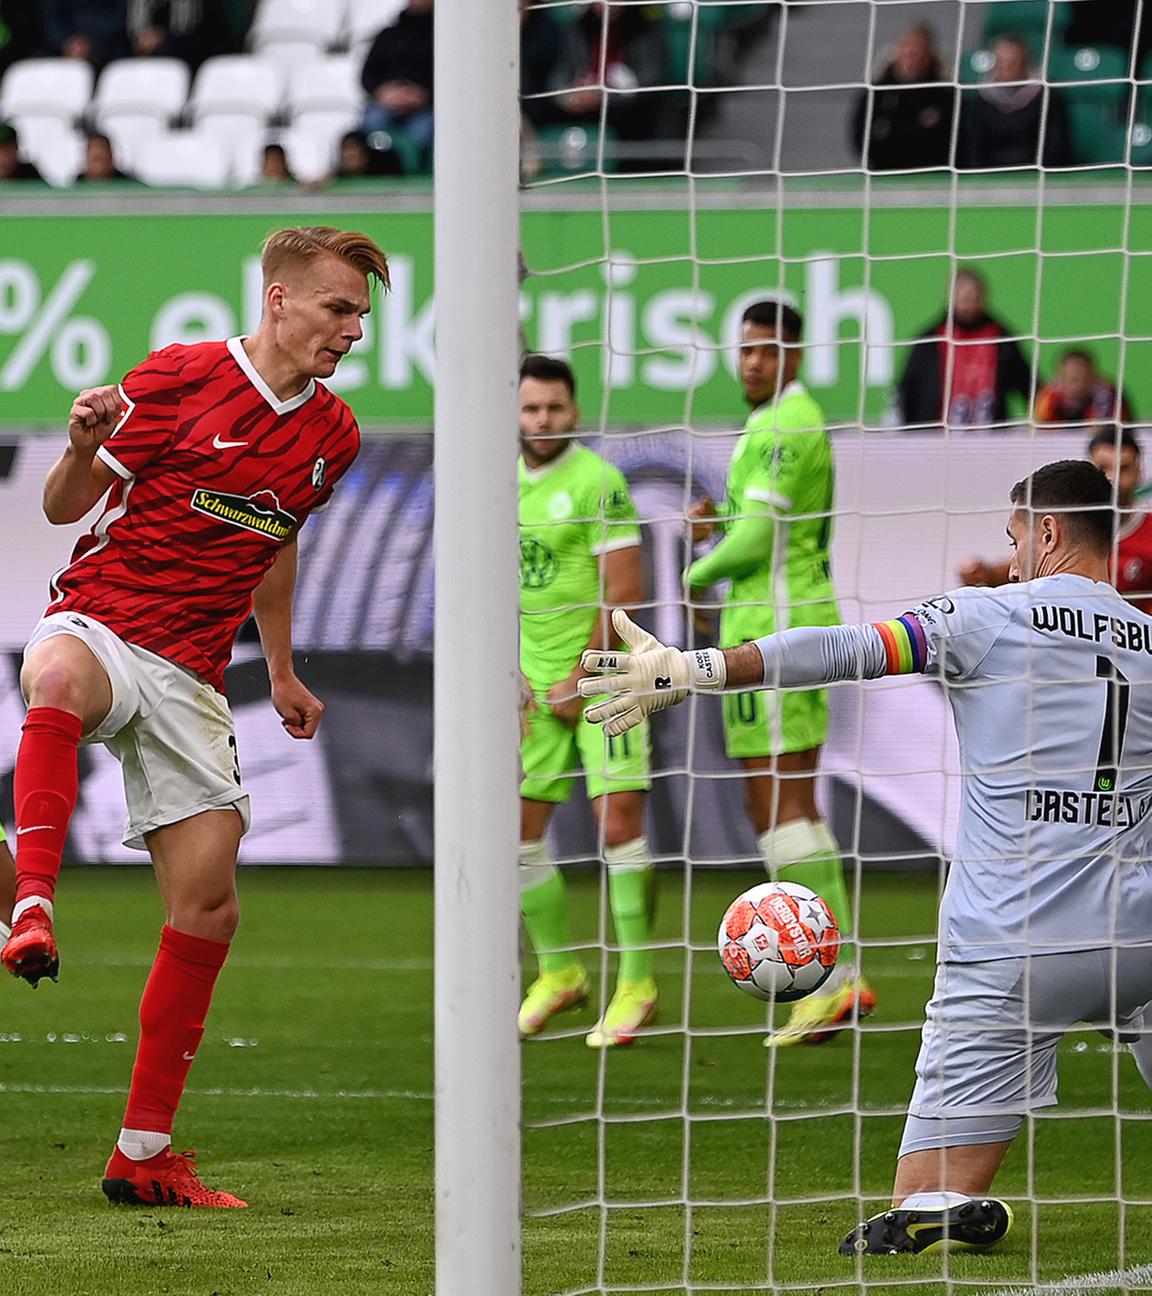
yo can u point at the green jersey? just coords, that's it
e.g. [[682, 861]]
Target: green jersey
[[572, 511], [783, 465]]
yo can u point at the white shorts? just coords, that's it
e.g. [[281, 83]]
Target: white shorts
[[988, 1051], [171, 732]]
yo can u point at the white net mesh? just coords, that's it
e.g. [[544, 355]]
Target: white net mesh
[[787, 157]]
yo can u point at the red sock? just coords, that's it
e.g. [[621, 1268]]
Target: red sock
[[172, 1014], [45, 789]]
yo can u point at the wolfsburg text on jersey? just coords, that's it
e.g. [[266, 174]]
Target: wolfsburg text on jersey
[[1132, 635]]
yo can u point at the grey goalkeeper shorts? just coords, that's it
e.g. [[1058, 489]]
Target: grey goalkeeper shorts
[[988, 1049]]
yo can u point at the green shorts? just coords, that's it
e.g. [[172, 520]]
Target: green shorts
[[552, 755], [775, 722]]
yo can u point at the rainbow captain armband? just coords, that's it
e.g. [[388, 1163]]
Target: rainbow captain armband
[[905, 644]]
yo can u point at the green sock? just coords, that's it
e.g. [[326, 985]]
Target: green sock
[[544, 905], [630, 882], [820, 869]]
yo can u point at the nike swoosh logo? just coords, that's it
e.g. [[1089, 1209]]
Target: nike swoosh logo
[[35, 828], [226, 445], [189, 1057]]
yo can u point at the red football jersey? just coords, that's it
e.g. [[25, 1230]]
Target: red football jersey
[[214, 475], [1134, 561]]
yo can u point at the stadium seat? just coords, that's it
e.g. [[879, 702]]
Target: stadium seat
[[974, 66], [318, 23], [1027, 18], [46, 88], [1140, 144], [130, 136], [241, 138], [290, 54], [311, 153], [327, 125], [192, 158], [237, 83], [141, 88], [328, 85], [53, 146], [566, 150], [1090, 74], [368, 17]]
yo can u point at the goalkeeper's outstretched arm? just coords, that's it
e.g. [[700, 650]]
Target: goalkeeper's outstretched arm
[[651, 677]]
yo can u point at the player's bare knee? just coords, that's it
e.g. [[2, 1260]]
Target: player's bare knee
[[54, 684], [214, 915], [623, 827]]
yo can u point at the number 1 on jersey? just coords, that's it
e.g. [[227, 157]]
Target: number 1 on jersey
[[1115, 721]]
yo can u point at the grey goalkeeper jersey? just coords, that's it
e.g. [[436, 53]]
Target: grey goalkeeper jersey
[[1050, 683]]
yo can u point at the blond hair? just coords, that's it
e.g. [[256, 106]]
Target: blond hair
[[292, 246]]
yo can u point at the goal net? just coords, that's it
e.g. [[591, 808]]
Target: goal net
[[856, 160]]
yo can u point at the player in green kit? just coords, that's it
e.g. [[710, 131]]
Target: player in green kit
[[777, 523], [579, 558]]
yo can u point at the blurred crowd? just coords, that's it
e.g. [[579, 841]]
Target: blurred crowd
[[967, 366]]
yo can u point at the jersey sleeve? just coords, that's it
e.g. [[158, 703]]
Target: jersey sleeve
[[350, 448], [612, 518], [151, 395], [949, 635]]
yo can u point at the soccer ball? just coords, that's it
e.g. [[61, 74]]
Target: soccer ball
[[779, 941]]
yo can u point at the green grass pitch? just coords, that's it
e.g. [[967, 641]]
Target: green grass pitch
[[312, 1098]]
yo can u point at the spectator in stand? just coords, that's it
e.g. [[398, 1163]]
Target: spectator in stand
[[1010, 121], [100, 162], [911, 123], [274, 168], [191, 30], [542, 45], [357, 160], [1079, 394], [94, 31], [961, 371], [622, 48], [20, 33], [398, 77], [11, 167], [1096, 22]]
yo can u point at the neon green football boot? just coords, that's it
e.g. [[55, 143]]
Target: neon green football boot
[[550, 994], [632, 1008]]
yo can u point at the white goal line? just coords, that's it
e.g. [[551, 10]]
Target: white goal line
[[1111, 1280]]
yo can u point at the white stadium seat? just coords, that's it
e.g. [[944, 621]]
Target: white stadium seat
[[290, 54], [241, 138], [141, 88], [130, 137], [327, 125], [311, 153], [192, 158], [54, 147], [328, 85], [237, 83], [314, 22], [368, 17], [46, 88]]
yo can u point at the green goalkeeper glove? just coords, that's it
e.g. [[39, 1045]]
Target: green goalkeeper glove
[[651, 677]]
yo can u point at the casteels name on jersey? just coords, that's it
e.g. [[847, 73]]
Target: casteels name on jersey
[[1101, 809]]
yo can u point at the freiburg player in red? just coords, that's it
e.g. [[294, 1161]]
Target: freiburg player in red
[[208, 459]]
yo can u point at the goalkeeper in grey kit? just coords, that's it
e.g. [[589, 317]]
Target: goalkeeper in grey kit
[[1046, 918]]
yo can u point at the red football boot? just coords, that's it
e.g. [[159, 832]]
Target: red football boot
[[167, 1179], [31, 949]]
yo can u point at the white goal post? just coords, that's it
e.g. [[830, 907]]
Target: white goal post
[[476, 654]]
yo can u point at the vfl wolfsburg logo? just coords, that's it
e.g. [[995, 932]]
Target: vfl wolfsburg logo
[[537, 564], [260, 513]]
